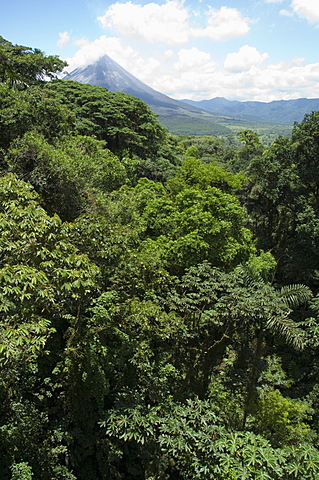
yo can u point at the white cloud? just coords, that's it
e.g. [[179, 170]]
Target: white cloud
[[287, 80], [170, 23], [308, 9], [244, 59], [149, 23], [224, 24], [194, 74], [143, 68], [169, 54], [190, 72], [263, 83], [89, 52], [193, 58], [64, 39]]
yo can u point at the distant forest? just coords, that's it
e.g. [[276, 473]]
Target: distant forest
[[159, 293]]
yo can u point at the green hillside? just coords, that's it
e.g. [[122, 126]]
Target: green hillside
[[193, 125], [188, 125]]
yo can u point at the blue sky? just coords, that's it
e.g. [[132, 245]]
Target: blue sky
[[246, 50]]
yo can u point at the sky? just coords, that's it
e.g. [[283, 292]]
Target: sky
[[260, 50]]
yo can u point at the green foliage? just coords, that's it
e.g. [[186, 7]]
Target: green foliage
[[283, 202], [45, 285], [40, 270], [126, 123], [21, 471], [32, 109], [302, 462], [188, 441], [21, 66], [196, 174], [67, 175], [196, 222], [141, 271], [264, 265], [158, 170], [306, 142], [153, 336], [207, 147], [252, 148], [281, 419], [192, 151]]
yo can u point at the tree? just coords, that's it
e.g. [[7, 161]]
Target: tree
[[305, 139], [69, 175], [46, 286], [180, 398], [144, 331], [126, 123], [22, 66], [283, 202], [193, 223], [252, 145], [32, 110], [194, 173]]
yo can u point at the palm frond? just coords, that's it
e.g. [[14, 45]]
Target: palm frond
[[288, 329], [295, 295]]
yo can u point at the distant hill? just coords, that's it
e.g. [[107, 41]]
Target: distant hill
[[284, 112], [188, 119]]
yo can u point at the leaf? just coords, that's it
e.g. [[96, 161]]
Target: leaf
[[295, 295]]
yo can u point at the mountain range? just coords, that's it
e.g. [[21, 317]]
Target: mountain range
[[217, 116], [277, 111]]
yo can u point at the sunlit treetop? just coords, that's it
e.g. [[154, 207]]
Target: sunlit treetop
[[22, 66]]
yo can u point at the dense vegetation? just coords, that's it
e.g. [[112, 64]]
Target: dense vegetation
[[159, 308]]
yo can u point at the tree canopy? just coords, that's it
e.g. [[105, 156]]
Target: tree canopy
[[124, 122], [159, 295], [22, 66]]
